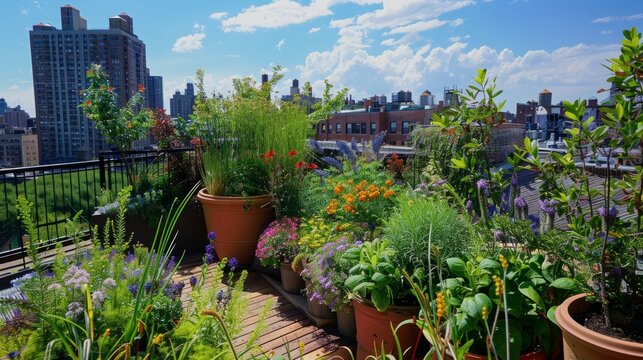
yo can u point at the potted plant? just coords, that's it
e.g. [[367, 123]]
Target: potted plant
[[601, 324], [326, 272], [277, 248], [380, 299], [235, 199]]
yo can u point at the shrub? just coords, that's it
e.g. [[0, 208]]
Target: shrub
[[416, 219]]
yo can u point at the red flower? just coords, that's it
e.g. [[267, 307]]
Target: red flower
[[270, 154], [87, 102], [300, 164], [292, 153], [196, 141], [311, 166]]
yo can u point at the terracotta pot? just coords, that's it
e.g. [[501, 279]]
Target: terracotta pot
[[346, 322], [374, 328], [291, 281], [318, 310], [582, 343], [238, 223]]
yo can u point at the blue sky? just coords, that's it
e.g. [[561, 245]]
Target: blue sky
[[370, 46]]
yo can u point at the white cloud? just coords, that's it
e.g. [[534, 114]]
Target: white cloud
[[456, 22], [417, 27], [606, 32], [313, 30], [395, 13], [189, 43], [569, 72], [608, 19], [17, 95], [280, 44], [198, 27], [218, 15], [276, 14], [340, 23]]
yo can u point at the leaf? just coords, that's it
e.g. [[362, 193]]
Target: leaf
[[471, 308], [551, 314], [526, 289], [515, 341], [354, 280], [379, 278], [464, 349], [380, 299], [483, 301], [363, 288], [488, 264], [457, 266], [564, 283]]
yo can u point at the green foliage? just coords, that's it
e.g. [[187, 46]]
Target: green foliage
[[419, 220], [527, 289], [373, 276]]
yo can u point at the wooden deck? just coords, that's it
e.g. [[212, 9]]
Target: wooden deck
[[287, 327]]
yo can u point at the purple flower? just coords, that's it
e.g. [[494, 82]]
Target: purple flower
[[129, 257], [98, 297], [491, 210], [48, 273], [498, 235], [548, 206], [173, 290], [514, 179], [73, 310], [136, 273], [233, 263], [147, 287], [54, 286], [608, 214], [209, 249], [133, 289], [354, 145], [193, 280], [75, 277], [314, 144], [468, 205], [209, 259], [109, 283], [439, 182], [483, 186], [520, 203], [377, 143], [346, 150], [212, 235], [333, 162]]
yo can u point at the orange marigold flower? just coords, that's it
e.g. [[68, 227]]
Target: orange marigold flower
[[141, 88], [292, 153], [374, 194], [350, 198], [348, 208], [350, 181], [389, 182], [389, 193], [338, 189], [129, 125], [363, 198]]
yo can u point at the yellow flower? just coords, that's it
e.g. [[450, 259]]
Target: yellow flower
[[350, 182], [159, 339], [503, 261], [440, 304], [107, 332], [485, 313]]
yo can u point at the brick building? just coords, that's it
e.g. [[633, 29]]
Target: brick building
[[364, 125]]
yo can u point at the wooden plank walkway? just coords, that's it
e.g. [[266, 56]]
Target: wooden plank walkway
[[287, 327]]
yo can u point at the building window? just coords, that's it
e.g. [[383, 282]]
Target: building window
[[392, 142], [323, 128], [330, 128], [393, 127], [373, 128], [338, 128], [405, 127], [363, 128], [349, 128]]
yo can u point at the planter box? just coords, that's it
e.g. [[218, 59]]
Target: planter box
[[191, 236]]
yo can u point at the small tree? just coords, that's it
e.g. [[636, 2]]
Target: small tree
[[121, 126]]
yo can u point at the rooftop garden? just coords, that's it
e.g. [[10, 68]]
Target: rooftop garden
[[444, 260]]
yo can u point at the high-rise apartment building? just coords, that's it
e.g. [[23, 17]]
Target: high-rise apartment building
[[154, 92], [3, 106], [181, 104], [60, 58], [18, 147]]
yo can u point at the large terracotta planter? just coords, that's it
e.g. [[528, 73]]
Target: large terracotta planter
[[238, 223], [291, 281], [374, 328], [582, 343], [346, 322], [536, 355]]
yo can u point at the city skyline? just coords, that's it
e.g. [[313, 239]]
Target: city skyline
[[370, 46]]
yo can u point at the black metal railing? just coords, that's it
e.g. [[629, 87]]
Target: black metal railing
[[59, 191]]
